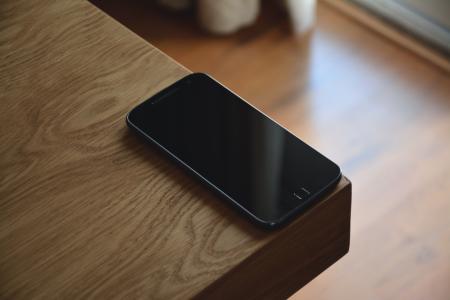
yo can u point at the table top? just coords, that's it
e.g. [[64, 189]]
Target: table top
[[86, 209]]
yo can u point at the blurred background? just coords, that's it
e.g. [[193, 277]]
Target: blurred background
[[367, 84]]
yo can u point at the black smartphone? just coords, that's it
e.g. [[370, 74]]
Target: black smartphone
[[262, 169]]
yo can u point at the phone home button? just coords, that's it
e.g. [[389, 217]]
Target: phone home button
[[301, 194]]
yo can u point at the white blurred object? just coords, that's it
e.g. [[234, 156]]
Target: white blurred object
[[228, 16], [302, 13]]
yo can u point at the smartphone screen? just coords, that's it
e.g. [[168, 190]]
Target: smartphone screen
[[259, 166]]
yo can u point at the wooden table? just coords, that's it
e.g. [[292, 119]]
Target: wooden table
[[89, 211]]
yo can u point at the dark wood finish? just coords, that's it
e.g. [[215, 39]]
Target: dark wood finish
[[89, 211], [377, 109], [301, 253]]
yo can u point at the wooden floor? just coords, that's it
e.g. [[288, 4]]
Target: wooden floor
[[379, 111]]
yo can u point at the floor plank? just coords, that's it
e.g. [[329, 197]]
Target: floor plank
[[375, 108]]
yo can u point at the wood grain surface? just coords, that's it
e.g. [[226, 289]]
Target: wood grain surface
[[87, 210], [295, 256], [395, 34], [377, 109]]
